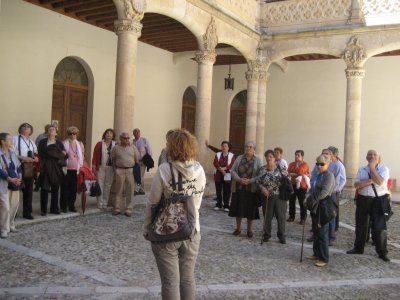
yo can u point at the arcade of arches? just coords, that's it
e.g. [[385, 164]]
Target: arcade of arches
[[153, 78]]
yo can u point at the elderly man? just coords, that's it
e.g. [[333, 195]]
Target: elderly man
[[370, 177], [337, 165], [143, 146], [124, 157]]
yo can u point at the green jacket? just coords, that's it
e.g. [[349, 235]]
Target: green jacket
[[235, 177]]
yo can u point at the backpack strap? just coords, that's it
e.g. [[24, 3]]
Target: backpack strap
[[173, 177]]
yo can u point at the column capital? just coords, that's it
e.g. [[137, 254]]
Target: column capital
[[130, 9], [354, 54], [264, 76], [355, 72], [128, 26], [206, 57]]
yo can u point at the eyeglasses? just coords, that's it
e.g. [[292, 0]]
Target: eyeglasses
[[125, 137], [72, 133], [320, 164]]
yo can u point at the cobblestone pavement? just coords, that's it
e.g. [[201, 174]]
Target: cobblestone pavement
[[99, 256]]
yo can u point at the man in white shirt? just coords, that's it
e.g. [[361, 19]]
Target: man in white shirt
[[368, 206], [278, 151]]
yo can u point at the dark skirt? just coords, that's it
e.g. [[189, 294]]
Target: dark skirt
[[244, 205]]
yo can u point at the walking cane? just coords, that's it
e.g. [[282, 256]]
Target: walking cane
[[302, 241], [265, 215]]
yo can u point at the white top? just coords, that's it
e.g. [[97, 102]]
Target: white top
[[282, 163], [382, 189], [27, 144]]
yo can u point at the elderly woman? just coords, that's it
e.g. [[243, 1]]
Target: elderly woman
[[244, 202], [223, 163], [298, 168], [102, 166], [52, 157], [10, 181], [321, 190], [176, 260], [26, 150], [269, 180], [75, 156]]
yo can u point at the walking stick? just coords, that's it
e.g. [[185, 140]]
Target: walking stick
[[265, 215], [302, 241]]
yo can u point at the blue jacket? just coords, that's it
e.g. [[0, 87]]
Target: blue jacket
[[14, 167]]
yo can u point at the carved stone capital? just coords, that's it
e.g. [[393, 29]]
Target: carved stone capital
[[354, 55], [257, 65], [134, 9], [252, 75], [206, 57], [263, 76], [123, 26], [210, 38], [355, 73]]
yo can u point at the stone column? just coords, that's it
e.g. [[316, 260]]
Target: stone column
[[205, 62], [354, 57], [252, 76], [352, 128], [128, 32], [261, 103]]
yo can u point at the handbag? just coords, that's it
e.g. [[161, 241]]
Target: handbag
[[27, 170], [311, 203], [174, 218], [95, 189], [326, 210], [285, 188]]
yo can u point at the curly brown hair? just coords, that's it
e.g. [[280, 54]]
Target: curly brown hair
[[181, 145]]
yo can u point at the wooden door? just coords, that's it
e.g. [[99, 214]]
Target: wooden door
[[70, 108], [188, 120], [237, 129]]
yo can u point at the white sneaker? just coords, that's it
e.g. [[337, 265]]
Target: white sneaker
[[216, 208], [3, 234], [226, 209], [13, 229]]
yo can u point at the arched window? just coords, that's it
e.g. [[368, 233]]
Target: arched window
[[237, 129], [189, 110], [70, 97]]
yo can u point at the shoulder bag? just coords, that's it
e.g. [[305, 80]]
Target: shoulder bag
[[285, 188], [384, 203], [174, 218]]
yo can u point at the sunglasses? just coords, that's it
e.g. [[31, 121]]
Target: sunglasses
[[72, 133], [320, 164]]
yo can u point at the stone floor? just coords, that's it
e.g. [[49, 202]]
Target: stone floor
[[99, 256]]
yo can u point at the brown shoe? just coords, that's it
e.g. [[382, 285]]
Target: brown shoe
[[128, 214], [321, 264], [312, 257], [116, 213], [236, 232], [250, 234]]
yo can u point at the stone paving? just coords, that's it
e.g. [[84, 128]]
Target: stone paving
[[99, 256]]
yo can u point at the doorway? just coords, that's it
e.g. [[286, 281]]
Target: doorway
[[188, 120], [237, 128]]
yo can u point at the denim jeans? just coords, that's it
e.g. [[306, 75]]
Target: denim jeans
[[332, 223], [321, 241], [175, 262]]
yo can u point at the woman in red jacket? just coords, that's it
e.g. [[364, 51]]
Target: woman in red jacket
[[223, 163], [102, 167]]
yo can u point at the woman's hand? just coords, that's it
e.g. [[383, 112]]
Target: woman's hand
[[17, 181], [265, 192]]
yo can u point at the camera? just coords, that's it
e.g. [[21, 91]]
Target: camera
[[30, 154]]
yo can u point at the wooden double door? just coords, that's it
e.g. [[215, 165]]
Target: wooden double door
[[70, 108]]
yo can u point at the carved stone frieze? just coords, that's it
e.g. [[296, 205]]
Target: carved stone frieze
[[305, 11], [134, 9], [206, 56], [210, 38], [354, 55], [379, 7], [353, 73], [121, 26]]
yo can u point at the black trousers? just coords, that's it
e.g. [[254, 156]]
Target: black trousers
[[223, 190], [368, 208], [337, 210], [300, 194], [54, 199], [68, 190], [27, 194], [275, 207]]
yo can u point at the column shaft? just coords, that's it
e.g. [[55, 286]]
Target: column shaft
[[203, 104], [251, 111], [261, 103], [125, 82], [352, 127]]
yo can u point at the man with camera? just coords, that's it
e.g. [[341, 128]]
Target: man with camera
[[26, 150]]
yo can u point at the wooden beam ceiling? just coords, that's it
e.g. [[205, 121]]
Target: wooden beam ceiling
[[158, 30]]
